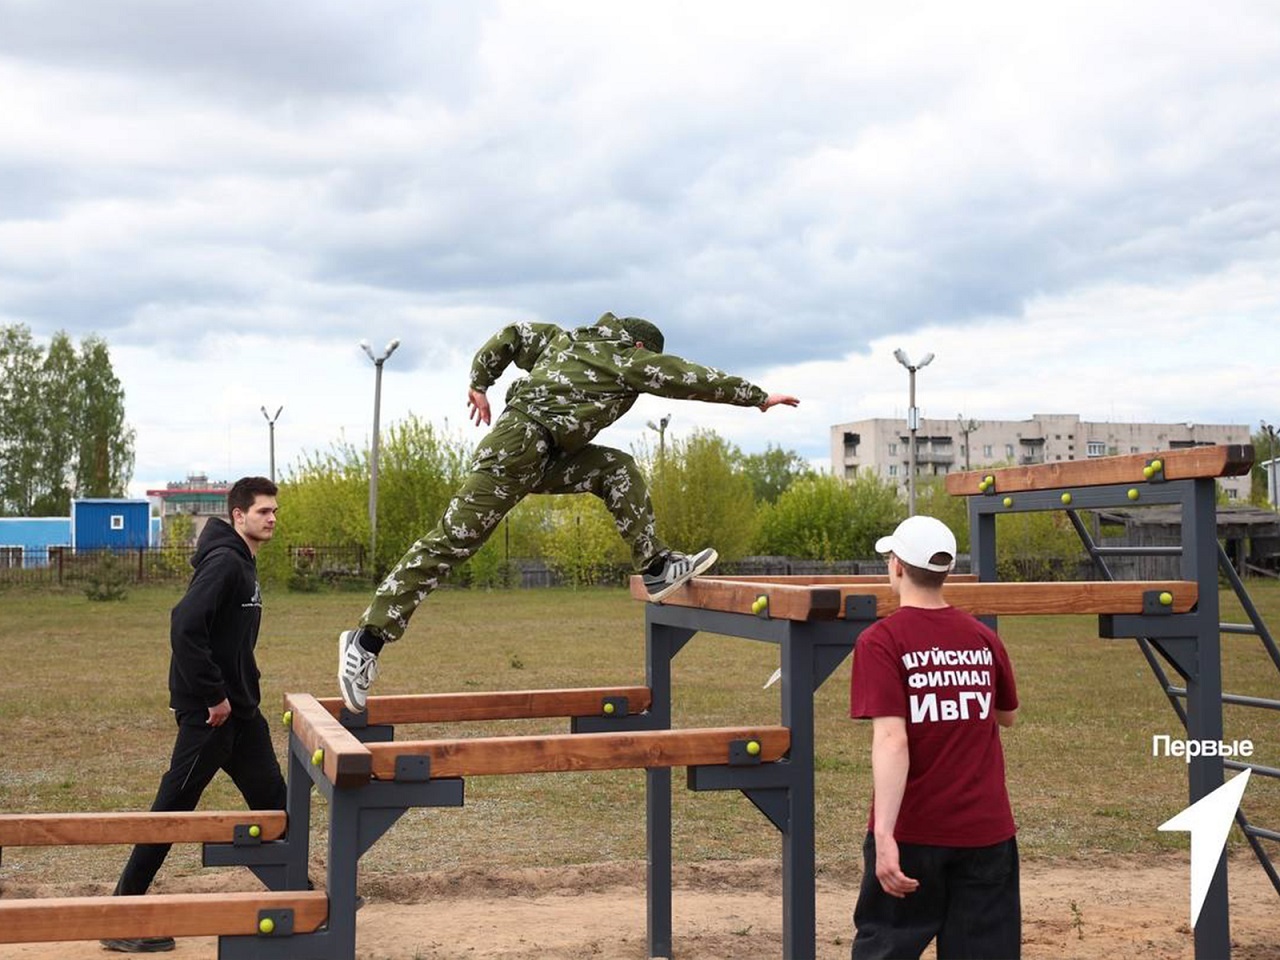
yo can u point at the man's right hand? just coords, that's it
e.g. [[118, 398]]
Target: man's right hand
[[889, 871], [478, 404], [218, 713]]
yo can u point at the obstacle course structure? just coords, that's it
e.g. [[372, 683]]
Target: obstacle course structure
[[370, 780]]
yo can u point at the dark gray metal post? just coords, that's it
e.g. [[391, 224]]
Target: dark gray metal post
[[659, 649], [1204, 696], [799, 864]]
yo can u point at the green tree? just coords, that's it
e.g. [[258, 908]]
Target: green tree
[[104, 455], [700, 498], [62, 427], [59, 411], [582, 543], [1265, 447], [773, 471], [821, 517], [20, 466]]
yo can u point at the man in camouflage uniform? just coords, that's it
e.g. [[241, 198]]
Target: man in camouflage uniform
[[580, 381]]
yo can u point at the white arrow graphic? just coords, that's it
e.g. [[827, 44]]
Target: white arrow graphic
[[1208, 820]]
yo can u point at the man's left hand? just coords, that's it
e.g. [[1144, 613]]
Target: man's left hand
[[776, 398]]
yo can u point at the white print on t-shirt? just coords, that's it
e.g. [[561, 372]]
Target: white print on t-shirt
[[930, 707], [937, 657]]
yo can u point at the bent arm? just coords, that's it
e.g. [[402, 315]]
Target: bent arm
[[518, 343], [191, 633]]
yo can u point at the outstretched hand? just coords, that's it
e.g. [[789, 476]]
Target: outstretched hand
[[478, 405], [776, 398]]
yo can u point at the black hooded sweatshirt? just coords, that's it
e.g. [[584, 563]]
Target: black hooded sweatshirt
[[214, 628]]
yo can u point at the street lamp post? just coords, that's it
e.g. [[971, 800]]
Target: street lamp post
[[661, 429], [913, 423], [1270, 431], [373, 448], [271, 429]]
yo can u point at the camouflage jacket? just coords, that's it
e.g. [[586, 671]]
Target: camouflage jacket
[[580, 381]]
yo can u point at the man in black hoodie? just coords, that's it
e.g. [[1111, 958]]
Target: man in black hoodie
[[213, 683]]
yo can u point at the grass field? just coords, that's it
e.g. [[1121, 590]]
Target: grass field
[[84, 725]]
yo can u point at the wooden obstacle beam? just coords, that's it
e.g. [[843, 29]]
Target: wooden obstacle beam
[[82, 829], [1229, 460], [828, 600], [563, 753], [501, 705], [346, 761], [158, 915]]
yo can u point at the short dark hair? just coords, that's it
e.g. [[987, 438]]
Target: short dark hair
[[247, 489], [928, 579]]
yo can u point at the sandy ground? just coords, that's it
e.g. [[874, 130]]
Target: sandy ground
[[732, 911]]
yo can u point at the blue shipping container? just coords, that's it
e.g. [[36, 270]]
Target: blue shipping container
[[114, 524]]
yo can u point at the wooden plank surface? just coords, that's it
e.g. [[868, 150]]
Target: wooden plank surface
[[1229, 460], [787, 600], [1068, 597], [483, 756], [205, 826], [346, 761], [154, 915], [495, 705]]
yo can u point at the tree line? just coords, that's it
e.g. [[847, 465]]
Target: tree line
[[62, 429], [705, 491]]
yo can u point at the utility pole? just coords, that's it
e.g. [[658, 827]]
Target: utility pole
[[373, 448], [271, 428], [913, 423]]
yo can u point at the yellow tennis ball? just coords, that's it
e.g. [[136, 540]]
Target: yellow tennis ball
[[1157, 465], [1066, 498], [1148, 472], [317, 758], [753, 747], [1166, 599], [255, 831], [609, 708], [1133, 493], [1008, 501], [288, 718], [266, 925]]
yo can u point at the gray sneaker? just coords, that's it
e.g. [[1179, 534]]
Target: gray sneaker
[[140, 945], [357, 669], [675, 569]]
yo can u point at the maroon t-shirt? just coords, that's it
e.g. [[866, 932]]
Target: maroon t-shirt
[[947, 674]]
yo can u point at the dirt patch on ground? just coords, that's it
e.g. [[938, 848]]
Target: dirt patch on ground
[[732, 911]]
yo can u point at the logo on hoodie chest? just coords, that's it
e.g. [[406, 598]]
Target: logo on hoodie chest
[[256, 599]]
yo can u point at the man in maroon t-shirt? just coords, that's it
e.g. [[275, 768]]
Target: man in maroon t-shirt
[[940, 858]]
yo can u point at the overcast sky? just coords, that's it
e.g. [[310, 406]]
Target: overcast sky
[[1075, 206]]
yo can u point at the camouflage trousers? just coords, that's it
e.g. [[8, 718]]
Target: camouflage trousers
[[514, 460]]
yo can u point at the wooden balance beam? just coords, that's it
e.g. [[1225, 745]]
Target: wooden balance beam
[[160, 915], [72, 829], [497, 705], [826, 601], [1228, 460], [483, 756]]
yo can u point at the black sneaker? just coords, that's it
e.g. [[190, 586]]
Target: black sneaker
[[140, 945], [675, 568]]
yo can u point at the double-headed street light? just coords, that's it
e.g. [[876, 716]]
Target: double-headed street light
[[913, 423], [660, 428], [373, 449], [271, 428]]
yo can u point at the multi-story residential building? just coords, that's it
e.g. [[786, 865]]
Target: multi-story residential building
[[195, 497], [882, 446]]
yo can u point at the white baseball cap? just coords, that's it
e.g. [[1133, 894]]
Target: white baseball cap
[[917, 539]]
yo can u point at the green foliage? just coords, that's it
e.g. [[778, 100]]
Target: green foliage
[[825, 518], [772, 472], [1042, 545], [932, 500], [1266, 447], [699, 497], [581, 542], [106, 581], [62, 428]]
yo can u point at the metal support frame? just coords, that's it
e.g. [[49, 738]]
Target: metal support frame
[[1190, 643], [783, 792]]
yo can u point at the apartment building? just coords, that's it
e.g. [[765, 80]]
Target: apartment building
[[882, 446]]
